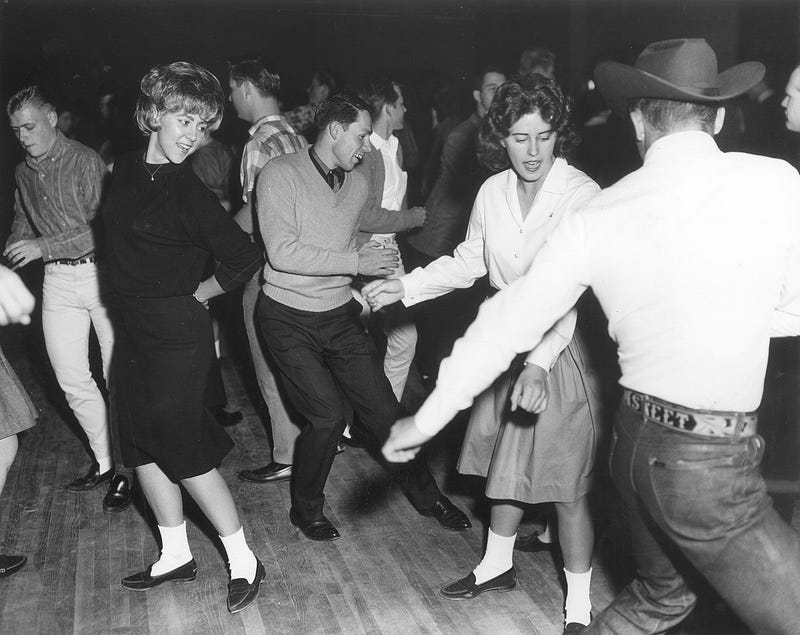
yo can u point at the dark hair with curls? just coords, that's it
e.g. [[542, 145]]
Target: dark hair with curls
[[342, 108], [179, 87], [259, 71], [519, 96]]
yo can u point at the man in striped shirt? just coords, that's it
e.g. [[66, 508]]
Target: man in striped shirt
[[58, 191], [254, 86]]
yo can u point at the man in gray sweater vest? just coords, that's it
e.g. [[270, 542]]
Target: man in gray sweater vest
[[310, 207]]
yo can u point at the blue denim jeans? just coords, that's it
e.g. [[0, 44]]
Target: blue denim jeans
[[699, 504]]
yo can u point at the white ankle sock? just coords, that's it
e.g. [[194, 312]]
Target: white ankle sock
[[241, 560], [499, 557], [545, 537], [174, 549], [105, 464], [578, 605]]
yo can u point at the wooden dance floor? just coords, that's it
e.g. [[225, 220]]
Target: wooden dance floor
[[381, 576]]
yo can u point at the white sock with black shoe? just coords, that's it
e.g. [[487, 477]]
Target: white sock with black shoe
[[499, 557], [241, 560], [174, 549], [578, 606]]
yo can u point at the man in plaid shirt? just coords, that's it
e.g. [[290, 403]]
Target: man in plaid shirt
[[254, 86]]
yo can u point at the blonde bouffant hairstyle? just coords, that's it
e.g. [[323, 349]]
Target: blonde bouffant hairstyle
[[179, 87]]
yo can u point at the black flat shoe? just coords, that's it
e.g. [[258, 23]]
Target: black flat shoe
[[466, 589], [143, 580], [118, 497], [449, 516], [92, 479], [321, 530], [9, 565], [241, 593], [226, 418], [532, 544], [270, 473]]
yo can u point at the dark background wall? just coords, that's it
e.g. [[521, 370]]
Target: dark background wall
[[75, 45]]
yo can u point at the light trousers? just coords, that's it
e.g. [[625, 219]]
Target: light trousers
[[71, 306]]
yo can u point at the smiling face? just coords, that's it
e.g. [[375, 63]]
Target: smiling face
[[791, 103], [35, 127], [530, 145], [179, 135], [351, 142]]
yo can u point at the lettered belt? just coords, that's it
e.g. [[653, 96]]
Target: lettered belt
[[707, 423], [72, 261]]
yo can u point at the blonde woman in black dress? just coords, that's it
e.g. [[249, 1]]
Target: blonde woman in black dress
[[162, 226]]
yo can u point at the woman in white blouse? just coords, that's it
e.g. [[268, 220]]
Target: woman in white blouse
[[533, 433]]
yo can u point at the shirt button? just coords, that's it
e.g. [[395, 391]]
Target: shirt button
[[516, 255], [521, 232]]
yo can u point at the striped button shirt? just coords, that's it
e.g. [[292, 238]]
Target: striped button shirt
[[270, 137], [56, 199]]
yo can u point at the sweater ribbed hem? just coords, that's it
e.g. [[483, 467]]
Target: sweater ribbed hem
[[303, 303]]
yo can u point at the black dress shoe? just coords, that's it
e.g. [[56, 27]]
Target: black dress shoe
[[9, 565], [225, 418], [270, 473], [92, 479], [143, 580], [321, 530], [532, 544], [449, 516], [466, 589], [574, 628], [241, 593], [118, 496]]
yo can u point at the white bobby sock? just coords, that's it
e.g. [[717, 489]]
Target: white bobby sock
[[241, 560], [578, 605], [105, 464], [499, 557], [174, 549]]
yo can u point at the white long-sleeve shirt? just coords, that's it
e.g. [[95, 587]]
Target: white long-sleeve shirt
[[503, 244], [695, 260]]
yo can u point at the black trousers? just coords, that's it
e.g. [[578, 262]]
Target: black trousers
[[325, 360]]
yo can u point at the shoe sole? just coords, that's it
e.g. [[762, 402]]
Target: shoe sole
[[276, 479], [115, 510], [472, 596], [141, 588]]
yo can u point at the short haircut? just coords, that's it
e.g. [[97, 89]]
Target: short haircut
[[180, 87], [378, 92], [665, 114], [520, 96], [33, 95], [259, 71], [481, 72], [342, 108], [536, 57]]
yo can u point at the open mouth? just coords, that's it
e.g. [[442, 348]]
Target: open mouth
[[184, 147], [532, 166], [358, 156]]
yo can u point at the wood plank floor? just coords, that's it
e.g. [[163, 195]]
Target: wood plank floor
[[382, 576]]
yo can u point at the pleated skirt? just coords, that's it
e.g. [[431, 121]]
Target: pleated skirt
[[17, 412]]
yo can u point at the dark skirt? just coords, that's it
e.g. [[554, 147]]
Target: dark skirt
[[162, 360], [537, 458], [17, 412]]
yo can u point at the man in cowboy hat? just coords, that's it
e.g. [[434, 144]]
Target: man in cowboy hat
[[695, 259]]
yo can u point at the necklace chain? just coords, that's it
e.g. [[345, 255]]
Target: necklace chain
[[154, 172]]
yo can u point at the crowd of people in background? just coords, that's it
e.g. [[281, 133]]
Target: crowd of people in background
[[360, 256]]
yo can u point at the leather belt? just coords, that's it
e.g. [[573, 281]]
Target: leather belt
[[707, 423], [72, 261]]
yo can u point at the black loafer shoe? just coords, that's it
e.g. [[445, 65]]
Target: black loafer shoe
[[270, 473], [532, 544], [449, 516], [321, 530], [241, 593], [574, 628], [92, 479], [9, 565], [466, 589], [225, 418], [143, 580], [118, 496]]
